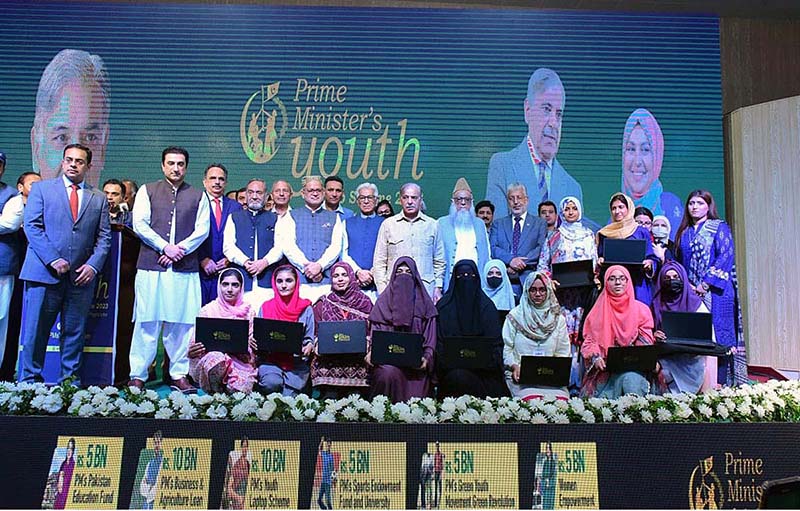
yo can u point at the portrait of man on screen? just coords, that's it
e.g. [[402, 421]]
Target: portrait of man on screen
[[534, 161], [72, 107]]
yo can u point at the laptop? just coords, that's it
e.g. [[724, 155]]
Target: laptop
[[687, 327], [342, 337], [275, 336], [401, 349], [468, 352], [574, 273], [624, 252], [223, 335], [641, 359], [545, 371]]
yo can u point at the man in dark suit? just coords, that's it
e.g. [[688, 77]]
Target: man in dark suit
[[533, 162], [212, 259], [68, 241], [518, 238]]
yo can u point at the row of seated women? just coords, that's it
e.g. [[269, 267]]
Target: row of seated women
[[535, 327]]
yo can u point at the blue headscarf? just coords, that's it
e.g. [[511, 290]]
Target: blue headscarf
[[503, 295]]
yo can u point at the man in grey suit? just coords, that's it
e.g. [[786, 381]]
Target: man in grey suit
[[517, 239], [533, 162], [67, 225]]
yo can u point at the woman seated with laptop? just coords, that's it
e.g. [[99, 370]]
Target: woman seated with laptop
[[617, 319], [405, 307], [681, 372], [337, 376], [535, 328], [216, 371], [469, 346], [285, 372]]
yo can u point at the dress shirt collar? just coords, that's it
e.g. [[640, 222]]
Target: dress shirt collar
[[420, 216], [549, 162], [68, 183]]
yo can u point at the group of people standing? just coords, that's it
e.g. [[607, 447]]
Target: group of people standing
[[204, 255]]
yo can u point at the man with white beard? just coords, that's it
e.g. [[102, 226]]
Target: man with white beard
[[463, 234]]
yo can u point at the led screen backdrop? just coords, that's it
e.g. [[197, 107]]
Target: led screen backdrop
[[378, 94]]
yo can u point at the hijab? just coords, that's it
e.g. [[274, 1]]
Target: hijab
[[465, 309], [220, 308], [351, 298], [285, 308], [404, 299], [642, 117], [618, 317], [662, 239], [502, 295], [573, 231], [625, 227], [686, 301], [537, 322]]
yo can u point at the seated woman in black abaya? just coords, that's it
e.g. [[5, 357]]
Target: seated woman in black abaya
[[466, 311]]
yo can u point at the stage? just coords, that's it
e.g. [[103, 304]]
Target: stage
[[521, 461]]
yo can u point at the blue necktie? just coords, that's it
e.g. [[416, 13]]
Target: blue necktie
[[516, 235], [543, 181]]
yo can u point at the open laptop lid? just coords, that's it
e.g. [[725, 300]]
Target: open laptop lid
[[574, 273], [628, 252], [641, 359], [400, 349], [693, 327], [223, 335], [545, 371], [275, 336], [468, 352], [342, 337]]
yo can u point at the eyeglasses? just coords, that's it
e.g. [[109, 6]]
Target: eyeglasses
[[537, 290], [365, 198], [462, 200], [621, 279]]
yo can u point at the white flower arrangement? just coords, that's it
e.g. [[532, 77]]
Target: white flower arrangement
[[766, 402]]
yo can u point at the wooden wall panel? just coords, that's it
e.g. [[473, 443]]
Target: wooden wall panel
[[760, 60], [764, 158]]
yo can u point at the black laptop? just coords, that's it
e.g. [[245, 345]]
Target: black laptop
[[687, 327], [399, 349], [341, 337], [223, 335], [641, 359], [689, 333], [624, 252], [275, 336], [574, 273], [545, 371], [468, 352]]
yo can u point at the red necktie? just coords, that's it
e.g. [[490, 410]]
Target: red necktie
[[218, 213], [73, 202]]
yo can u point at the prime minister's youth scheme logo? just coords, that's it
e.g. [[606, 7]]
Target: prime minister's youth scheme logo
[[263, 123], [737, 481], [329, 133], [705, 488]]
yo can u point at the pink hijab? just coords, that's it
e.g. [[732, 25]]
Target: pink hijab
[[285, 309], [616, 320], [220, 308], [642, 117]]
